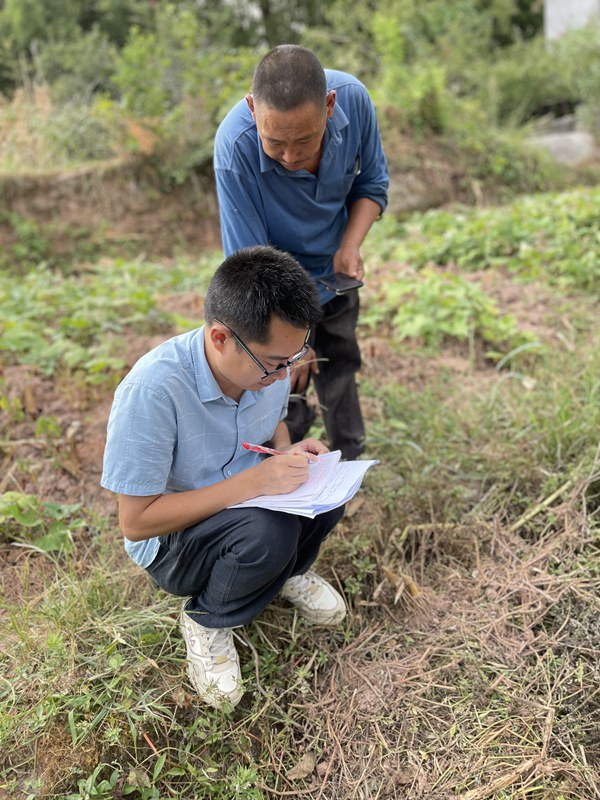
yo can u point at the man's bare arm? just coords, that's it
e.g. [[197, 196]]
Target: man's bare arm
[[144, 517], [362, 215]]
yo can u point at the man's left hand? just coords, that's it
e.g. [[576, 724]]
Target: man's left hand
[[311, 446], [348, 259], [300, 372]]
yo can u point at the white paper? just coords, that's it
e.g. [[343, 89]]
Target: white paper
[[330, 484]]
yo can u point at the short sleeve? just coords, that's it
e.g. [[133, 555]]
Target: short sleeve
[[141, 437]]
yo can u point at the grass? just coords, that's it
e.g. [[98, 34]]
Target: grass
[[37, 136], [470, 559]]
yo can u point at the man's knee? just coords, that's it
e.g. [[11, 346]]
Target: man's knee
[[268, 540]]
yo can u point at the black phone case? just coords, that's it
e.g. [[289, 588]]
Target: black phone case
[[340, 288]]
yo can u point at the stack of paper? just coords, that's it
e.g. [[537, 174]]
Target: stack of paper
[[330, 484]]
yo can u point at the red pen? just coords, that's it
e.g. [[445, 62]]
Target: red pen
[[258, 448]]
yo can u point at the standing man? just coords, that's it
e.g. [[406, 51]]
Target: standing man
[[299, 164], [174, 455]]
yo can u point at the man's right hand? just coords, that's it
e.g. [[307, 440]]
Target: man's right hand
[[281, 474]]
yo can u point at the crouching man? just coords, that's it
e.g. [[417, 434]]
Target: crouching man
[[174, 455]]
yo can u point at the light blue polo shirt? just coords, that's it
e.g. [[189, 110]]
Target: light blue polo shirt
[[171, 428], [260, 202]]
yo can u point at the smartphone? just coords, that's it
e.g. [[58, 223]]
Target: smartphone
[[340, 283]]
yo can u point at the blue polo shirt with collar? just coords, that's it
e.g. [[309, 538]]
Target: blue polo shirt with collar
[[171, 428], [261, 202]]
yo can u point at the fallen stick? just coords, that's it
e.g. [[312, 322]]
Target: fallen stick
[[502, 782], [541, 506]]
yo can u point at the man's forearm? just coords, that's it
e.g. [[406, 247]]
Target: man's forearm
[[142, 518], [281, 438], [363, 213], [347, 258]]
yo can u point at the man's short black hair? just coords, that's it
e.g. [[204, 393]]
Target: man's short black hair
[[257, 283], [289, 76]]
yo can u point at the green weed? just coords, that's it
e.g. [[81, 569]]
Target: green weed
[[547, 237], [74, 322], [46, 526], [432, 306]]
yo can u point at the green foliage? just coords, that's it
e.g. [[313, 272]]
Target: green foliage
[[26, 20], [73, 322], [36, 135], [549, 237], [177, 53], [500, 157], [433, 54], [432, 306], [434, 67], [45, 526], [30, 243], [191, 90], [577, 55], [77, 68], [507, 98], [95, 787]]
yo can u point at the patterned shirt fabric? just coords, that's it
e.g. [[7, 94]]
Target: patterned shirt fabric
[[171, 428], [261, 202]]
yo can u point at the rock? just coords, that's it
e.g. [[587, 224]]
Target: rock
[[570, 148]]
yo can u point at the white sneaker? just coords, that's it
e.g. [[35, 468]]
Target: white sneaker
[[213, 664], [316, 599]]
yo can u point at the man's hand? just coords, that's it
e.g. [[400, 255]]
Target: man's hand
[[310, 446], [348, 259], [281, 474], [300, 372]]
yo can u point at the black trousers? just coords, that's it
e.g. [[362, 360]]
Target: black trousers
[[233, 564], [334, 339]]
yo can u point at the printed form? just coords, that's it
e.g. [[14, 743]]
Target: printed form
[[330, 484]]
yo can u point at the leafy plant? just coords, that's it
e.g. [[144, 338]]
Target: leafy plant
[[432, 306], [46, 526], [550, 237], [95, 787], [73, 322]]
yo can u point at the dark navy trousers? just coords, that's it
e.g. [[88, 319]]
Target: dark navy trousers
[[334, 339], [233, 564]]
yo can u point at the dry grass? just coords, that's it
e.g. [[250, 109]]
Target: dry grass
[[36, 136], [486, 686]]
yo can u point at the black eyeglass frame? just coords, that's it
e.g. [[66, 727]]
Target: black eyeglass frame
[[280, 367]]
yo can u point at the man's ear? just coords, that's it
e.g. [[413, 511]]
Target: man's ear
[[330, 102], [250, 101], [218, 335]]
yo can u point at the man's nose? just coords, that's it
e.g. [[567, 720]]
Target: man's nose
[[291, 155]]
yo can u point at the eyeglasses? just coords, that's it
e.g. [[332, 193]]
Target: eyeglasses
[[280, 367]]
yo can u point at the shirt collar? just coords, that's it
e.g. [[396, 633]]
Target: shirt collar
[[333, 137], [208, 388]]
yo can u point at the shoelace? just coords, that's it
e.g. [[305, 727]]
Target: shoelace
[[300, 584], [219, 645]]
